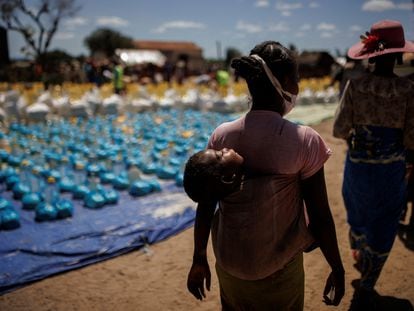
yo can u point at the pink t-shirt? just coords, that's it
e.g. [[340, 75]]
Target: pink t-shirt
[[270, 144], [259, 229]]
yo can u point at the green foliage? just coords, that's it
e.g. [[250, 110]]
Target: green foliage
[[293, 47], [230, 54], [37, 23], [56, 57], [107, 41]]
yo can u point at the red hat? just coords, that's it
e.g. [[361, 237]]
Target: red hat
[[385, 37]]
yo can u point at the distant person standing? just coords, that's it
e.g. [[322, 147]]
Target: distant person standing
[[406, 232], [223, 78], [410, 191], [410, 177], [118, 78], [411, 76], [376, 118], [168, 70], [180, 71]]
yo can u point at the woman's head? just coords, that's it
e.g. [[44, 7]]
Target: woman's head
[[210, 174], [383, 46], [385, 37], [281, 63]]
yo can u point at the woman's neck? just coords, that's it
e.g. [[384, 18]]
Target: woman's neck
[[385, 67], [384, 72], [269, 105]]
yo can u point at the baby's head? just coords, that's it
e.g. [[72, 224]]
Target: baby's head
[[211, 174]]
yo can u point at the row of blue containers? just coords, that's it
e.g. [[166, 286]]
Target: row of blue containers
[[94, 159]]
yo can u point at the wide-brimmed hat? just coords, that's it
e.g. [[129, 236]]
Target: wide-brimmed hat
[[386, 36]]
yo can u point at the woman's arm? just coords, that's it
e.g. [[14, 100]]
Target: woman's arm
[[322, 226], [200, 269], [344, 114]]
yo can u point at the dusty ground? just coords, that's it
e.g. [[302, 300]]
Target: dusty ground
[[156, 281]]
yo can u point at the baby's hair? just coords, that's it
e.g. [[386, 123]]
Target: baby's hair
[[197, 176]]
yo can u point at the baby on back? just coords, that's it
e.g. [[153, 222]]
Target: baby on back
[[210, 174]]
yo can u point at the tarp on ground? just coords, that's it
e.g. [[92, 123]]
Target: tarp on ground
[[37, 250], [312, 114]]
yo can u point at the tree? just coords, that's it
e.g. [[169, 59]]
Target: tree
[[38, 25], [293, 48], [58, 56], [107, 41], [230, 54]]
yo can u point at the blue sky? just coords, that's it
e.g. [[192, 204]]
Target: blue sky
[[308, 24]]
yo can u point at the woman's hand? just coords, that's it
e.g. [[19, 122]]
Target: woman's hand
[[200, 270], [322, 227], [334, 288], [195, 280]]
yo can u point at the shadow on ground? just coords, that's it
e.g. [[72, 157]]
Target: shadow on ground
[[375, 302], [406, 236]]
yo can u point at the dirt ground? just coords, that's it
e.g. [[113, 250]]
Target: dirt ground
[[156, 280]]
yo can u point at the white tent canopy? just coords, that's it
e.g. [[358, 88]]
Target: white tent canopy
[[135, 57]]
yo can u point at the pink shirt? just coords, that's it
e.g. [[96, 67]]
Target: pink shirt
[[259, 229]]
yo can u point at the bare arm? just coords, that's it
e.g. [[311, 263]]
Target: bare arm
[[200, 270], [322, 226], [343, 116]]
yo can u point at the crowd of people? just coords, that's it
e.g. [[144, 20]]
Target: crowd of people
[[260, 184], [102, 70]]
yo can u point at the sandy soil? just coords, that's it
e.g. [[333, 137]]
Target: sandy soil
[[157, 280]]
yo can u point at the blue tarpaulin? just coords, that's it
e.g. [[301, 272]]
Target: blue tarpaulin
[[37, 250]]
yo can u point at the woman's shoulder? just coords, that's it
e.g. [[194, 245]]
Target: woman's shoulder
[[301, 131], [297, 127], [383, 86], [228, 127], [230, 123]]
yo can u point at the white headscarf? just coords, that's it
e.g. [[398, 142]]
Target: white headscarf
[[288, 104]]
